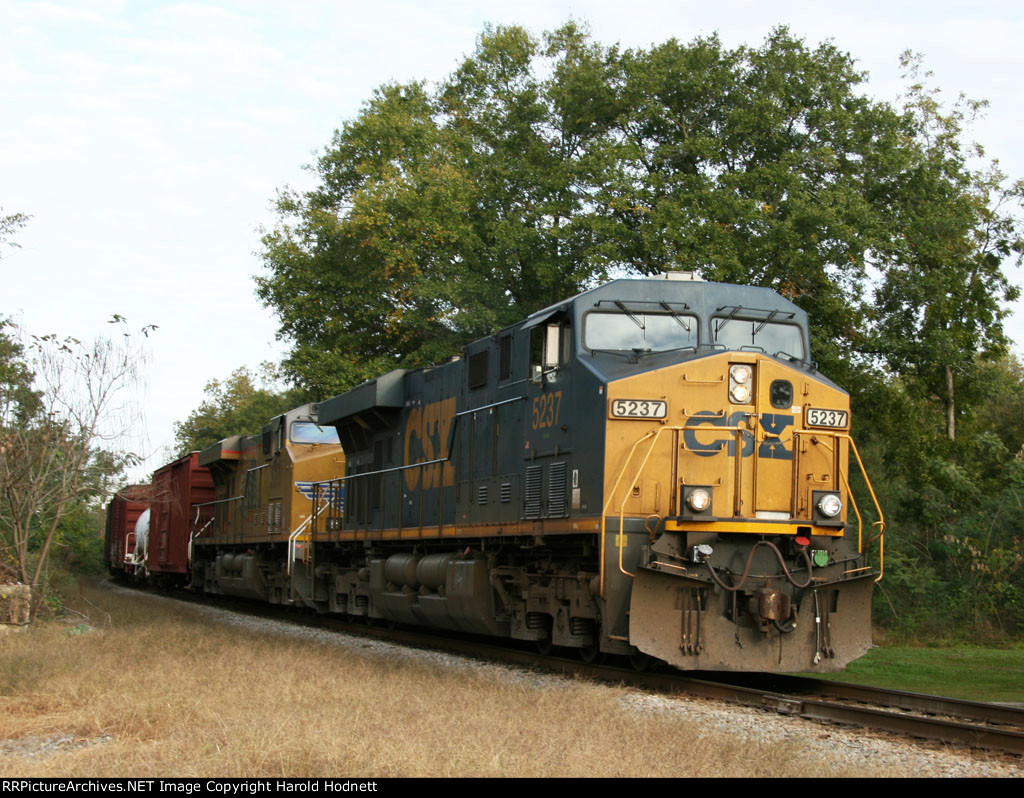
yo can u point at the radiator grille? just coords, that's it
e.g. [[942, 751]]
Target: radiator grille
[[556, 490], [534, 477]]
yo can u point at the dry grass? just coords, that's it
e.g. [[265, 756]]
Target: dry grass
[[168, 693]]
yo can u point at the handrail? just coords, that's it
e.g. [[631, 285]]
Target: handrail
[[604, 511], [449, 449], [607, 504], [849, 493], [880, 523], [294, 536], [654, 435]]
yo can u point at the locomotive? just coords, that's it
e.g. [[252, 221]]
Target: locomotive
[[653, 468]]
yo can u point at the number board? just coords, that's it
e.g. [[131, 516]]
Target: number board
[[639, 408], [823, 417]]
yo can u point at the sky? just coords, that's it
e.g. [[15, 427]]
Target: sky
[[147, 140]]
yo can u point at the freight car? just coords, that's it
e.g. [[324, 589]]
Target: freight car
[[149, 526], [652, 468], [123, 513]]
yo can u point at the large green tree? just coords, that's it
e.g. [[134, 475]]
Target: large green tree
[[442, 215], [544, 164], [943, 291]]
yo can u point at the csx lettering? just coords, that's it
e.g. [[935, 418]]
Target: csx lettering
[[545, 410], [771, 448], [426, 436]]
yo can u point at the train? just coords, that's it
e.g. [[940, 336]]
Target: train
[[653, 468]]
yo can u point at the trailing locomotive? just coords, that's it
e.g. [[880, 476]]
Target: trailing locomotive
[[653, 467], [245, 540]]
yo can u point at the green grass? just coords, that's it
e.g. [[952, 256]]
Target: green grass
[[972, 672]]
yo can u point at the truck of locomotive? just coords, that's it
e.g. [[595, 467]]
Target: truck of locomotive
[[652, 466]]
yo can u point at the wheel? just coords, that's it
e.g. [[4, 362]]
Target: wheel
[[543, 646], [640, 661], [591, 653]]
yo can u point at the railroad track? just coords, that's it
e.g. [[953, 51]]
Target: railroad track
[[973, 724]]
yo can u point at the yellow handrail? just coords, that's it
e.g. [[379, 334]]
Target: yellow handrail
[[654, 435], [611, 495], [880, 523]]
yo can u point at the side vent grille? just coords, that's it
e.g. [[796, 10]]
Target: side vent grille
[[534, 477], [556, 490], [481, 495], [506, 492]]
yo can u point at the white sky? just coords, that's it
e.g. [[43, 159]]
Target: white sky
[[147, 139]]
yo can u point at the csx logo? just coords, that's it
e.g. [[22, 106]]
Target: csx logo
[[426, 437], [772, 447]]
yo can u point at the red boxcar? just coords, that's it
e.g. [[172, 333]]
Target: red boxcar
[[123, 511], [176, 488]]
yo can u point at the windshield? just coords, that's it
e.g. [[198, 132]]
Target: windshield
[[308, 432], [770, 337], [654, 332]]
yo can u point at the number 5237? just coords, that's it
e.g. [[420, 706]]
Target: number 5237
[[545, 410]]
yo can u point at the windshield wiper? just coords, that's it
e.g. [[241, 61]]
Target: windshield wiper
[[633, 318], [677, 317]]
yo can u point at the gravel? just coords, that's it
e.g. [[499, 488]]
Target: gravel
[[34, 747]]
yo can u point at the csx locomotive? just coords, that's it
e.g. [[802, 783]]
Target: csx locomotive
[[651, 468]]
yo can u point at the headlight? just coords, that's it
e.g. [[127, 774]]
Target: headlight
[[740, 394], [829, 505], [741, 374], [699, 500], [741, 383]]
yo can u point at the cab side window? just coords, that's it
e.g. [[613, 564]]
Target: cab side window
[[550, 347]]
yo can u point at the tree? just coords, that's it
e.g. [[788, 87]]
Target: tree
[[239, 405], [63, 420], [542, 165], [944, 291], [8, 226]]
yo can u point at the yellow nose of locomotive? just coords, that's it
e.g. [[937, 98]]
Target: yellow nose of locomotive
[[743, 444], [738, 465]]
